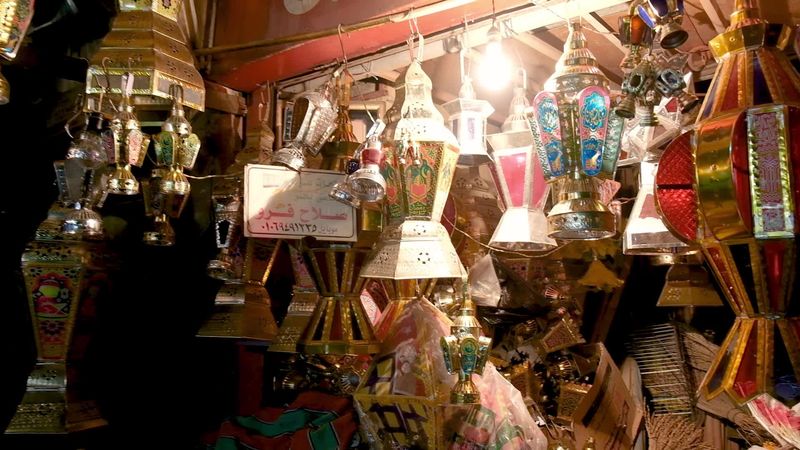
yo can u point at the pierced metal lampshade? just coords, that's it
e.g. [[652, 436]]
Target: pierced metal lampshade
[[688, 284], [421, 156], [467, 117], [146, 40], [578, 140], [523, 226], [730, 185]]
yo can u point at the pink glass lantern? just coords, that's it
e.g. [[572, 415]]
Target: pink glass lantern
[[523, 226]]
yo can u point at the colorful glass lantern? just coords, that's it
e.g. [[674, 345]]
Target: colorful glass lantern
[[336, 152], [465, 352], [314, 116], [61, 272], [467, 117], [147, 40], [16, 18], [339, 324], [420, 159], [578, 141], [242, 307], [176, 149], [730, 185], [130, 144], [636, 36], [664, 17], [523, 226], [80, 179]]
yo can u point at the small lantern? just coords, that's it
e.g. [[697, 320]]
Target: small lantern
[[465, 352], [636, 36], [523, 226], [176, 149], [420, 159], [80, 179], [17, 15], [227, 204], [664, 17], [130, 144], [314, 120], [468, 122], [731, 186], [578, 141], [688, 284]]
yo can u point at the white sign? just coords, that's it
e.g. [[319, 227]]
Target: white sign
[[282, 203]]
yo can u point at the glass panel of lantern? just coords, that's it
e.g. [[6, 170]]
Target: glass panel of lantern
[[468, 122]]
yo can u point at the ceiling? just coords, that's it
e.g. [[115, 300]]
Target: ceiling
[[537, 32]]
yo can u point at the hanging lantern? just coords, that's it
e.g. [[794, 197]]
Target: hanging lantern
[[145, 39], [130, 144], [342, 142], [59, 271], [420, 158], [467, 117], [636, 36], [364, 181], [242, 307], [578, 141], [339, 324], [176, 149], [80, 180], [16, 18], [645, 86], [645, 233], [523, 226], [640, 141], [730, 185], [688, 284], [313, 121], [664, 17]]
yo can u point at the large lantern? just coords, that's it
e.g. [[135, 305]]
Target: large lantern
[[147, 40], [420, 159], [731, 185], [578, 141], [523, 226]]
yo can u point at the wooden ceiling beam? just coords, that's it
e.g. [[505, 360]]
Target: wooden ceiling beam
[[714, 16], [604, 30], [538, 45]]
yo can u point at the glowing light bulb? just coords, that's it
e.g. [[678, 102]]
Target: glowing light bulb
[[495, 70]]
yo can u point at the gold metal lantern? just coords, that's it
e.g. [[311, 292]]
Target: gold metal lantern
[[731, 186], [578, 141], [146, 40]]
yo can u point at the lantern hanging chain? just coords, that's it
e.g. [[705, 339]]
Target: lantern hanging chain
[[500, 250]]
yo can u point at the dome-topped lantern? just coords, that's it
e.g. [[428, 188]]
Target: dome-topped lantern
[[578, 140], [420, 160]]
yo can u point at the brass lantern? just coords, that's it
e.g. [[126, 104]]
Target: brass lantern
[[578, 141], [16, 17], [62, 272], [176, 149], [731, 186], [145, 39], [339, 324], [467, 117], [636, 36], [523, 226], [420, 159], [130, 144]]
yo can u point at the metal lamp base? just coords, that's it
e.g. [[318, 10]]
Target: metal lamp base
[[241, 311], [581, 219], [52, 405], [289, 157], [298, 315], [522, 230], [339, 325], [412, 250]]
